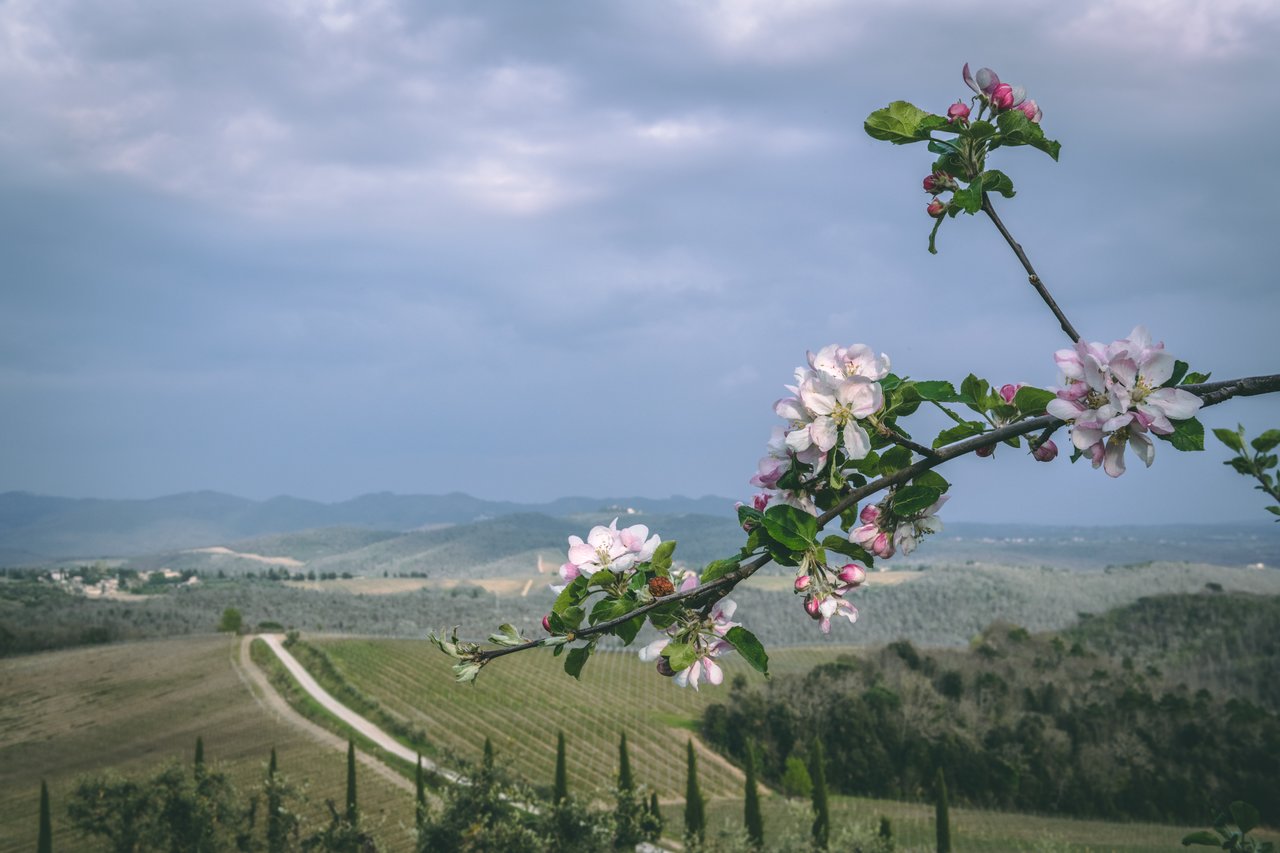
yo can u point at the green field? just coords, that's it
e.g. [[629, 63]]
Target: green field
[[134, 707]]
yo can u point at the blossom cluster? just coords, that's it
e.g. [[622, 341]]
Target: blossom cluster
[[1113, 395], [704, 635], [1001, 96], [618, 551], [883, 532], [824, 597], [829, 403]]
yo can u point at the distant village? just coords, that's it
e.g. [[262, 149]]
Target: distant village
[[100, 582]]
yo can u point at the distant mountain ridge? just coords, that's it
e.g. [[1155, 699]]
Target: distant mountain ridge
[[41, 526]]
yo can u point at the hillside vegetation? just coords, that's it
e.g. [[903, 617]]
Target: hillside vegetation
[[1031, 723]]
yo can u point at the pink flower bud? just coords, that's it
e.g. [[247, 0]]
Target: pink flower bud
[[1046, 452], [869, 514], [938, 182], [852, 574], [987, 80], [1008, 392], [813, 607], [959, 111], [760, 501], [1031, 111], [984, 452], [546, 623], [802, 583], [936, 208], [1002, 96]]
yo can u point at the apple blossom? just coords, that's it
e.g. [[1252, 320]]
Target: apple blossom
[[870, 535], [1031, 111], [619, 551], [909, 531], [1113, 396], [1002, 96], [937, 182], [959, 111], [936, 208], [706, 635], [983, 82]]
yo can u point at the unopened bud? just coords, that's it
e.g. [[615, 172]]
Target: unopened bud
[[760, 501], [813, 607], [959, 111], [1008, 392], [546, 623], [852, 574], [938, 182], [936, 208], [1002, 96], [664, 667], [802, 583], [984, 452], [1046, 452], [1031, 111], [659, 587]]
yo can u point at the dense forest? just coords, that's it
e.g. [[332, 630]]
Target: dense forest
[[1041, 723]]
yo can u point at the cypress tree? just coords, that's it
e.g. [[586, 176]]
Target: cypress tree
[[275, 819], [821, 815], [626, 817], [353, 815], [751, 804], [562, 773], [44, 842], [625, 782], [695, 818], [653, 826], [199, 762], [942, 814], [420, 796]]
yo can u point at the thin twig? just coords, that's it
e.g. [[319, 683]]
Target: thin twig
[[901, 440], [1032, 276], [1211, 393]]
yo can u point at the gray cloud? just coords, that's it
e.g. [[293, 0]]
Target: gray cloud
[[534, 249]]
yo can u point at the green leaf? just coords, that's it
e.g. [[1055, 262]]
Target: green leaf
[[933, 480], [679, 655], [995, 181], [938, 391], [749, 514], [609, 608], [1017, 129], [980, 131], [601, 578], [1031, 401], [893, 459], [571, 595], [974, 391], [1265, 442], [791, 527], [967, 429], [661, 561], [716, 569], [1180, 369], [1231, 438], [850, 549], [1245, 815], [1202, 836], [910, 500], [1194, 378], [627, 630], [1187, 435], [902, 123], [968, 199], [1274, 510], [749, 647], [576, 660]]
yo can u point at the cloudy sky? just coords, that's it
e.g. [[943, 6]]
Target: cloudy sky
[[524, 250]]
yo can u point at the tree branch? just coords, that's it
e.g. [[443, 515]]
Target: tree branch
[[1032, 276], [1211, 393]]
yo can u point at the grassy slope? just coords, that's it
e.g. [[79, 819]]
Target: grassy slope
[[137, 706]]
